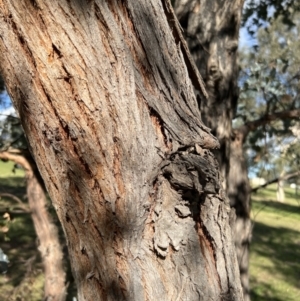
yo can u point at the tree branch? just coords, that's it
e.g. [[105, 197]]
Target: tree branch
[[22, 205], [286, 177], [266, 119], [18, 157]]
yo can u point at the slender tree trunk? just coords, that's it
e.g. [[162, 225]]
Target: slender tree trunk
[[239, 190], [49, 245], [280, 188], [239, 193], [104, 95], [46, 230], [211, 29]]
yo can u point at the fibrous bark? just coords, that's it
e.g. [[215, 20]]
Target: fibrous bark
[[211, 29], [239, 194], [104, 95]]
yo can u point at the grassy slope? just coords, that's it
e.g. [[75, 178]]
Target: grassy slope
[[275, 249], [6, 170], [24, 279]]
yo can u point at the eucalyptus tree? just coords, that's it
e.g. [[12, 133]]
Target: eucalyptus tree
[[13, 147], [271, 95], [211, 30], [105, 94], [268, 109]]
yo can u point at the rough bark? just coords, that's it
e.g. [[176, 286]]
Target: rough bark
[[239, 193], [46, 230], [211, 29], [104, 95]]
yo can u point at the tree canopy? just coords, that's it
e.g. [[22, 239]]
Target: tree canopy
[[270, 95]]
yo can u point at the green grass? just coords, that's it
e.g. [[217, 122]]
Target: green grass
[[7, 170], [25, 278], [275, 248]]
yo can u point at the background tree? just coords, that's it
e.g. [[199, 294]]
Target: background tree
[[13, 147], [268, 108], [212, 37], [212, 31], [257, 13], [142, 211], [46, 231], [270, 93]]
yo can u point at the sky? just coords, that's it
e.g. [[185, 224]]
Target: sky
[[6, 107], [245, 39]]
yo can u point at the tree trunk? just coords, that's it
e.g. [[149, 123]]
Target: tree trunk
[[280, 188], [239, 193], [49, 245], [211, 29], [104, 95], [46, 230]]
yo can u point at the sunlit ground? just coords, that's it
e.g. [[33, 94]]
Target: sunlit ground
[[275, 249], [24, 279]]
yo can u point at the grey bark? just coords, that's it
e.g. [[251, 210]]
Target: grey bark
[[104, 94], [211, 29], [239, 193]]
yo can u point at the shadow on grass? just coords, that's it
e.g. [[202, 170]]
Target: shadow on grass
[[285, 209], [281, 246], [264, 293], [24, 279], [292, 194]]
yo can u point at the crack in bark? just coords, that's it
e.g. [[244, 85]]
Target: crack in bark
[[159, 123], [57, 51], [116, 111], [184, 182], [176, 30]]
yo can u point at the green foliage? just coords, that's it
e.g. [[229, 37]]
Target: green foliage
[[257, 13], [269, 84], [11, 134], [25, 277]]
